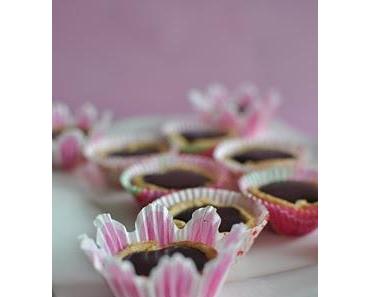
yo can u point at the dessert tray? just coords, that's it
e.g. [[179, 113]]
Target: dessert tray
[[276, 265]]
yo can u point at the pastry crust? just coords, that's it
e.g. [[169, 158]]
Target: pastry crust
[[140, 182], [181, 206], [299, 204], [138, 247], [147, 246]]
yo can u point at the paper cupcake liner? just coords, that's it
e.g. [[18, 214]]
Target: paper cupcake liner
[[220, 107], [174, 276], [287, 220], [112, 167], [199, 148], [227, 148], [145, 195], [224, 198], [67, 149], [86, 123]]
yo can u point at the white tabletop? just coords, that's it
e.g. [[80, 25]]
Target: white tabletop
[[275, 266]]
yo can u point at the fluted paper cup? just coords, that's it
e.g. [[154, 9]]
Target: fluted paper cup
[[174, 276], [204, 147], [67, 149], [225, 150], [257, 213], [71, 130], [112, 167], [245, 110], [285, 217], [220, 176]]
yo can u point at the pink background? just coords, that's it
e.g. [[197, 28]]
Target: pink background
[[142, 57]]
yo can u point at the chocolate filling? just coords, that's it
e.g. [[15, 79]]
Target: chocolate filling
[[255, 155], [56, 133], [229, 216], [141, 151], [242, 107], [85, 131], [292, 191], [177, 179], [145, 261], [191, 136]]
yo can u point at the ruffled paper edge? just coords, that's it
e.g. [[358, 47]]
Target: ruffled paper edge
[[67, 149], [226, 198], [217, 106]]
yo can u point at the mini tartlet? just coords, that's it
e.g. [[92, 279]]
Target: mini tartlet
[[244, 110], [70, 132], [158, 176], [158, 259], [289, 193], [232, 207], [113, 154], [67, 149], [195, 137], [243, 156]]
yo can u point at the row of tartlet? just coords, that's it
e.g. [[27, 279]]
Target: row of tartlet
[[150, 166], [191, 217]]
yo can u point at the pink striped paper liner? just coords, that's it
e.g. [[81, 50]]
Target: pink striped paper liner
[[219, 106], [145, 195], [68, 145], [286, 220], [173, 276], [66, 149], [224, 198], [112, 167]]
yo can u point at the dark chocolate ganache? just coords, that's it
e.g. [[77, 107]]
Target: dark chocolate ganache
[[292, 191], [140, 151], [145, 261], [191, 136], [256, 155], [229, 216], [177, 179], [242, 107], [56, 133]]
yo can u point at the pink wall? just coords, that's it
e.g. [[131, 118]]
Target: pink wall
[[141, 58]]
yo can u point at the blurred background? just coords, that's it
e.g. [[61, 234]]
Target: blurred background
[[141, 58]]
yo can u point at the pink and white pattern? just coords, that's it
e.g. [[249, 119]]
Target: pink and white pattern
[[67, 149], [245, 111], [174, 276], [74, 129], [224, 198]]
